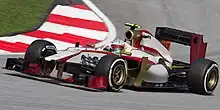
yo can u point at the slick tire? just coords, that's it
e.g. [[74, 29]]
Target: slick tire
[[115, 69], [203, 76], [40, 48]]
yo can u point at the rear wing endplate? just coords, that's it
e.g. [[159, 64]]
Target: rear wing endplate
[[195, 41]]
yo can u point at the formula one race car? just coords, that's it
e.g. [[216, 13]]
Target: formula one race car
[[142, 60]]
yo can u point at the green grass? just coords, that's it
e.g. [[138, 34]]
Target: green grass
[[21, 15]]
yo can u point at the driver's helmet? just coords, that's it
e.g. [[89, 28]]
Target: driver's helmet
[[117, 46]]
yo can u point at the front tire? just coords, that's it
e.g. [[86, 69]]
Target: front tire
[[203, 76], [115, 69], [40, 49]]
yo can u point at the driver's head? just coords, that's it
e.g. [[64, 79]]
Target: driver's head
[[117, 46]]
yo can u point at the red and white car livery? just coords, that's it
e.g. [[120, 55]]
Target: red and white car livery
[[143, 62]]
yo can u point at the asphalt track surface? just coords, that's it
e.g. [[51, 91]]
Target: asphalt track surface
[[201, 16]]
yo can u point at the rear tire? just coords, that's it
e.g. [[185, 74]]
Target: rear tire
[[203, 76], [115, 69]]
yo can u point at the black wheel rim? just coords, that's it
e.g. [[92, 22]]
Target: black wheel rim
[[48, 53], [118, 74]]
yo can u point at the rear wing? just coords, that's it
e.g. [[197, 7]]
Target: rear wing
[[195, 41]]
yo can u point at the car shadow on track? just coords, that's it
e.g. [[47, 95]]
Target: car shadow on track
[[56, 82], [81, 87], [158, 90]]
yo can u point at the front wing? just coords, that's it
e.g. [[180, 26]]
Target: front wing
[[61, 78]]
